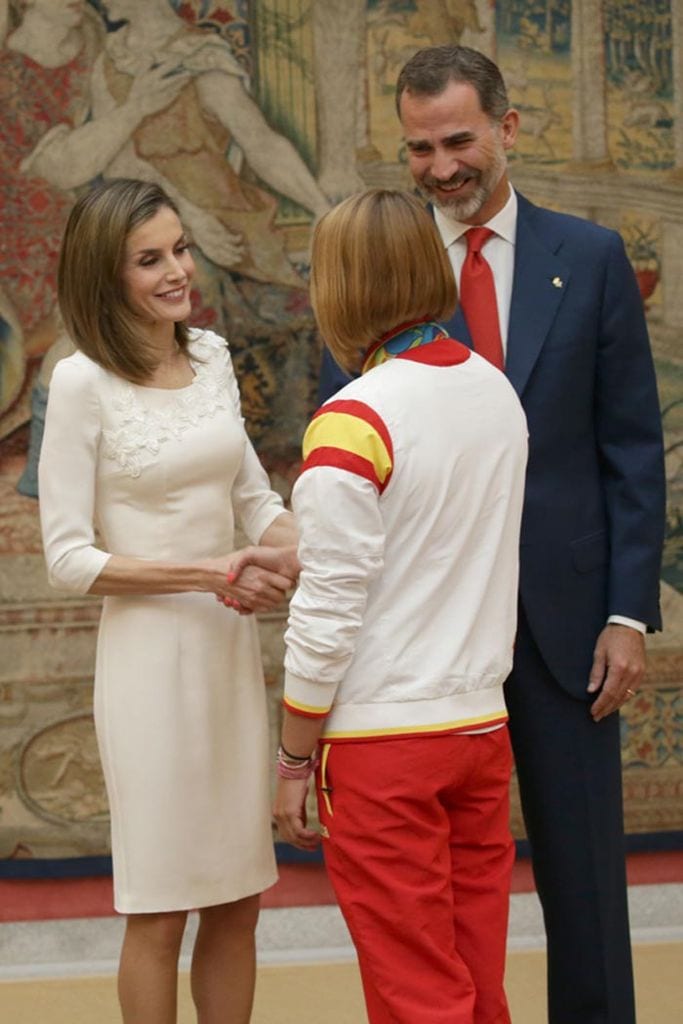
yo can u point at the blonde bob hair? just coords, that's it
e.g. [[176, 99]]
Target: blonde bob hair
[[90, 285], [377, 262]]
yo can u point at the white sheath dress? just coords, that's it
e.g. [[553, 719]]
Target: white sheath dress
[[179, 697]]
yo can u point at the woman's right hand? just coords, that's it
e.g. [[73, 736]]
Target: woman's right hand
[[253, 587]]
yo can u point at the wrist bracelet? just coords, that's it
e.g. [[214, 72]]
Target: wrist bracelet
[[294, 757], [298, 769]]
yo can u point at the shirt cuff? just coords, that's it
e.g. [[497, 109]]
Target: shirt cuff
[[622, 620], [306, 698]]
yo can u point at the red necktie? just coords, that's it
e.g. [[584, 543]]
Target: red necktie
[[478, 299]]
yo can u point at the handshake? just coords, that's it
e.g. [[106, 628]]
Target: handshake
[[254, 579]]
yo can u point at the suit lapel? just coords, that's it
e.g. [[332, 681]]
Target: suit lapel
[[540, 281]]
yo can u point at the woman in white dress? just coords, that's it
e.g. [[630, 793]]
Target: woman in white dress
[[145, 468]]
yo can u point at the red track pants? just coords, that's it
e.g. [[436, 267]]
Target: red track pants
[[419, 852]]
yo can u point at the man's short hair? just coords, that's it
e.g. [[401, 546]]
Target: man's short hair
[[430, 70]]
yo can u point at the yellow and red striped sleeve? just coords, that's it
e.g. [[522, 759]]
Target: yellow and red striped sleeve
[[297, 707], [350, 435]]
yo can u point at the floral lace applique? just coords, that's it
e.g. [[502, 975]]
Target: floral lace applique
[[142, 430]]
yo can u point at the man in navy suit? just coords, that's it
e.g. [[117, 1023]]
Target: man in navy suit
[[576, 349]]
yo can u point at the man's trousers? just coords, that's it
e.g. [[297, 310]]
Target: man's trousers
[[569, 771]]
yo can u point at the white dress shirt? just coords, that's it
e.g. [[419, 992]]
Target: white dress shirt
[[499, 253]]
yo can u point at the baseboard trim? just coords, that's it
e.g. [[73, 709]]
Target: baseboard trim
[[93, 867]]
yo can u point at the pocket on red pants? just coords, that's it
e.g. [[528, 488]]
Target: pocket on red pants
[[324, 790]]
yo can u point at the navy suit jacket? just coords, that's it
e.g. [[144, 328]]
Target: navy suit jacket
[[578, 356]]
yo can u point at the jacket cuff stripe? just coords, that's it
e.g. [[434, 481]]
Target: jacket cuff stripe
[[304, 710]]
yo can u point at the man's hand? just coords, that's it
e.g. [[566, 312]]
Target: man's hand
[[618, 668], [289, 811]]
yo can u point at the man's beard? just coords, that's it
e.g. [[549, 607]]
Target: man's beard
[[466, 207]]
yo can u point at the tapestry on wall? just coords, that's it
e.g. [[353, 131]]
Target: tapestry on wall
[[301, 114]]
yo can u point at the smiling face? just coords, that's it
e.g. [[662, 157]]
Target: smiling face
[[158, 269], [457, 153]]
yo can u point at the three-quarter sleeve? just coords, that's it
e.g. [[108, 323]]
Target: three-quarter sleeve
[[255, 503], [66, 478]]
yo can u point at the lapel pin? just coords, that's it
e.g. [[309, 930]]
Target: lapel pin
[[558, 282]]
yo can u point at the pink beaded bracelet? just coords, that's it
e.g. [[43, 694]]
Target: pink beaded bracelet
[[295, 768]]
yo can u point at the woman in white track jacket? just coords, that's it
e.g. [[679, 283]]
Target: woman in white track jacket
[[401, 630]]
